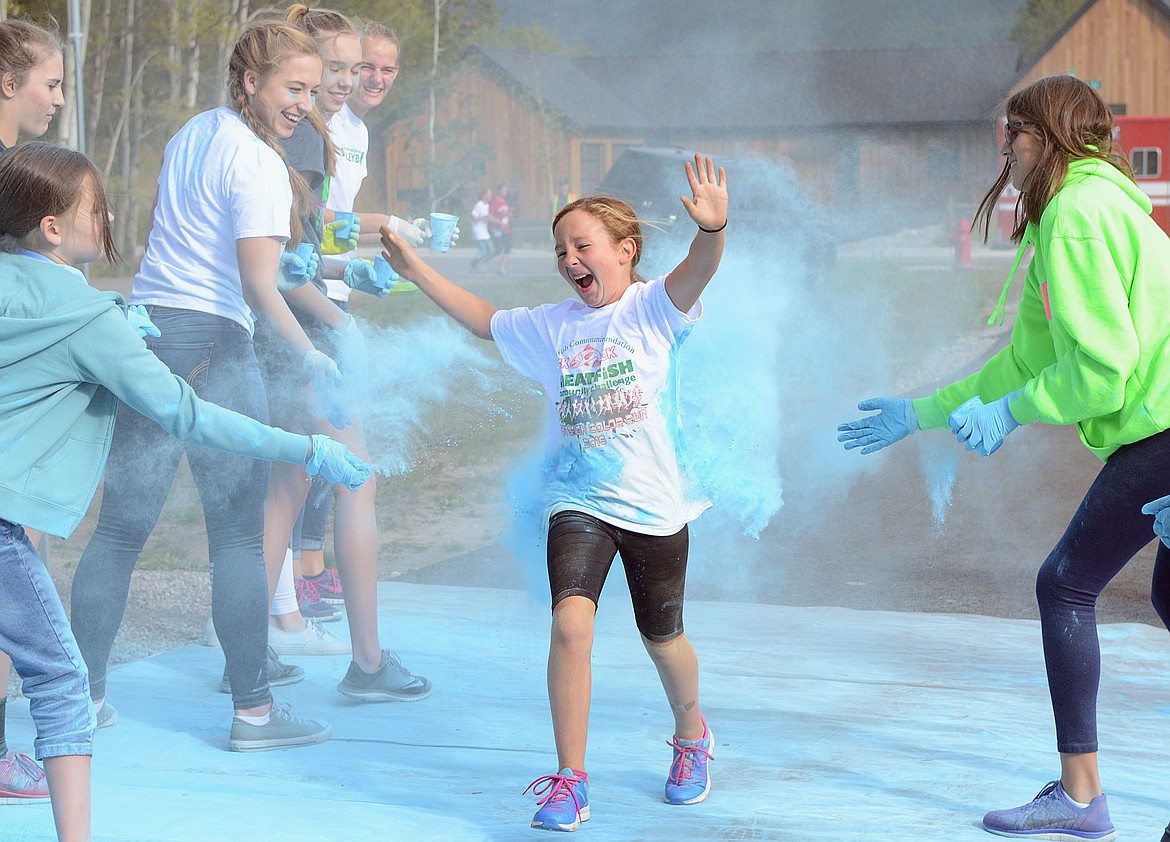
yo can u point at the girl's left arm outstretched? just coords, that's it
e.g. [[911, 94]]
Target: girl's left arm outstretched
[[707, 206]]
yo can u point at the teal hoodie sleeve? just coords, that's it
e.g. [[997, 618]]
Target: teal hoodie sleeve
[[108, 351]]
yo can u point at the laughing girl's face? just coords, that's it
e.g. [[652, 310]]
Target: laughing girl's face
[[286, 97], [598, 269]]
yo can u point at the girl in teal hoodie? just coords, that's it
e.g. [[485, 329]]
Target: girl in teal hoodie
[[1088, 347], [67, 356]]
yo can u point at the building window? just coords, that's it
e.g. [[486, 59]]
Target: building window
[[591, 164], [1146, 163]]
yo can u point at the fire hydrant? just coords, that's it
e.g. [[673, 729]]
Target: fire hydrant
[[962, 242]]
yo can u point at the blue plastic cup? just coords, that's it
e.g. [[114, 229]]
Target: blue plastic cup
[[342, 233], [442, 227], [387, 277], [305, 253]]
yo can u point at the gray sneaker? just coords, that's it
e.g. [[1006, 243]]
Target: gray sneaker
[[283, 730], [391, 683], [279, 673]]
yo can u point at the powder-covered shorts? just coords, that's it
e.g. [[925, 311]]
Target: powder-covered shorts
[[581, 549]]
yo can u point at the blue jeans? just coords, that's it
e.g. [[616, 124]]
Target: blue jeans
[[214, 355], [35, 634], [1107, 531]]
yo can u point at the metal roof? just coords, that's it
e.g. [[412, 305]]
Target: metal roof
[[759, 91]]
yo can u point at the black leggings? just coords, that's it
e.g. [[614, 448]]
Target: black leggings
[[1107, 530], [581, 549]]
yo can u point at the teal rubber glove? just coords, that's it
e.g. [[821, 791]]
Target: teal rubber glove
[[334, 463], [329, 242], [326, 379], [894, 421], [138, 318], [1160, 509], [983, 427], [362, 276], [297, 268], [351, 356]]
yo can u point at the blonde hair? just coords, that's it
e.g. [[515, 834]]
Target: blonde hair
[[617, 218], [321, 24], [374, 29]]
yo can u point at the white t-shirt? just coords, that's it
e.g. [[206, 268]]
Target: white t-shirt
[[219, 183], [479, 221], [609, 377], [352, 139]]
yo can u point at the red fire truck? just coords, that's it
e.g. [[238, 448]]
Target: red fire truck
[[1146, 142]]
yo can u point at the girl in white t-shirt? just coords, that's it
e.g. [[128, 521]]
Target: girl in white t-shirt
[[613, 478], [213, 257], [375, 674]]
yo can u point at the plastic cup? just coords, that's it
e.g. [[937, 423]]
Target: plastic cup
[[342, 233], [305, 253], [385, 272], [442, 227]]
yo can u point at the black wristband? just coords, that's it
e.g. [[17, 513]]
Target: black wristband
[[712, 230]]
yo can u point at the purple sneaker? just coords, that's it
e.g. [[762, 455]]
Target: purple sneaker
[[565, 801], [1166, 835], [1052, 815]]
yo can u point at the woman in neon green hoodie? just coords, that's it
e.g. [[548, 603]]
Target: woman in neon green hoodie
[[1088, 347]]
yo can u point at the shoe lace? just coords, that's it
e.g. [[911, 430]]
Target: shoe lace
[[555, 789], [332, 579], [30, 766], [684, 760], [307, 591]]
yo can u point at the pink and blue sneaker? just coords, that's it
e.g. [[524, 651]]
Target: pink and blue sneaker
[[564, 800], [689, 781], [1053, 815]]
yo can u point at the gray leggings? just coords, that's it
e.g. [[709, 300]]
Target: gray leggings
[[1107, 530]]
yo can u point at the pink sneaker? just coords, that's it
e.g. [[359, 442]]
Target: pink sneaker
[[328, 586], [22, 780]]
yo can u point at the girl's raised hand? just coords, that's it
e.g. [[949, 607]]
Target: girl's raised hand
[[708, 204]]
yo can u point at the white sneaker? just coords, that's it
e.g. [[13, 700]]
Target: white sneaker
[[314, 639], [210, 638]]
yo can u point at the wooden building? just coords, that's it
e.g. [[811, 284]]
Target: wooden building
[[1122, 47], [895, 136]]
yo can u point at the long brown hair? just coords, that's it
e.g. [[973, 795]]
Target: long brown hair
[[617, 218], [39, 180], [1072, 122], [262, 49]]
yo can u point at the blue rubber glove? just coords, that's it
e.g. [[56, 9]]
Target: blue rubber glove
[[326, 378], [894, 421], [137, 316], [1160, 509], [295, 270], [351, 356], [983, 427], [361, 275], [329, 242], [333, 462]]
